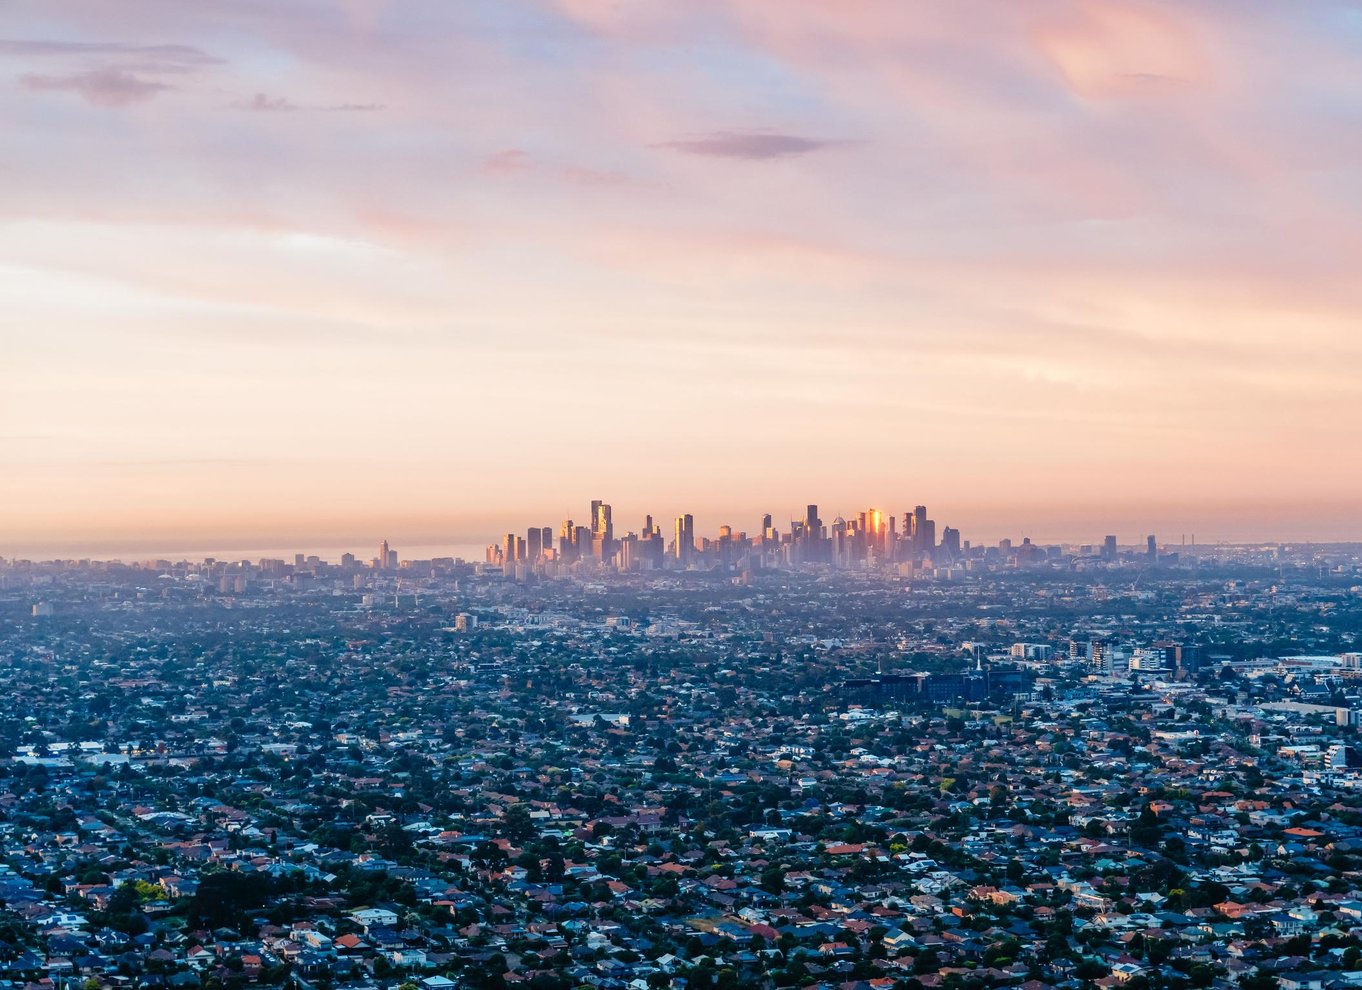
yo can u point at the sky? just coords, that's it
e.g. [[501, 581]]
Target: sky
[[292, 272]]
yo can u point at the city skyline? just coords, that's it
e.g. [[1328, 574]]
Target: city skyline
[[702, 528], [281, 272]]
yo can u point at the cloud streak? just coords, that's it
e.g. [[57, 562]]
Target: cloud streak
[[113, 75], [754, 146], [264, 103], [167, 57], [107, 87]]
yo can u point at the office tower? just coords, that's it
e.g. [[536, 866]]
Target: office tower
[[1109, 548], [917, 527], [508, 555], [602, 530], [627, 553], [1151, 546], [381, 561], [685, 538], [927, 535], [950, 543], [725, 545], [813, 534], [347, 560], [875, 531], [841, 547], [600, 518], [652, 548], [581, 542], [567, 548], [534, 543]]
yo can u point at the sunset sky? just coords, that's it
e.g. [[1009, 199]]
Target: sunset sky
[[284, 272]]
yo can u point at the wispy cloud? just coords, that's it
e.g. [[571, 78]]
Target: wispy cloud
[[508, 161], [107, 74], [166, 57], [264, 103], [751, 145], [511, 162], [106, 87]]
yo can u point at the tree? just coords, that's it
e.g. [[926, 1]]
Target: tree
[[517, 825], [1146, 831], [223, 899]]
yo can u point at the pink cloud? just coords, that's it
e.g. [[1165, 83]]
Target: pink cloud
[[107, 87], [751, 145], [1112, 50], [508, 161], [264, 103]]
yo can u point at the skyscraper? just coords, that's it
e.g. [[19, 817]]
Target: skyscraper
[[602, 530], [950, 544], [685, 538], [813, 534]]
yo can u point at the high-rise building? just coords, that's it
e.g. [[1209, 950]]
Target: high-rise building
[[840, 546], [1100, 653], [872, 522], [685, 538], [534, 543], [1109, 548], [602, 530], [813, 534], [1151, 547], [950, 543], [915, 529]]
